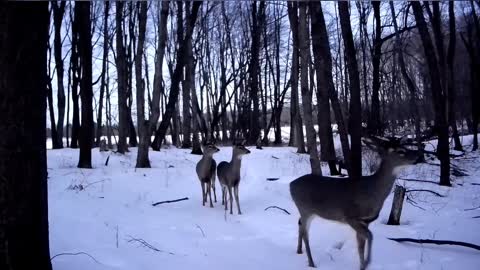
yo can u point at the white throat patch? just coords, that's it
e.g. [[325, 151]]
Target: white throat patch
[[398, 169]]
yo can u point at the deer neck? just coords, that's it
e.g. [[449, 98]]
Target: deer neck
[[206, 162], [235, 164], [384, 178]]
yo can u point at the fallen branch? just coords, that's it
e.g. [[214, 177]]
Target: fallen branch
[[172, 201], [200, 228], [436, 242], [106, 161], [475, 184], [426, 190], [274, 157], [476, 217], [435, 154], [147, 245], [75, 254], [273, 179], [273, 206], [470, 209], [418, 180]]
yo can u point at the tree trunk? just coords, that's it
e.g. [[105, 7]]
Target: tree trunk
[[438, 95], [451, 91], [397, 204], [103, 86], [24, 239], [175, 81], [375, 126], [306, 93], [257, 24], [121, 64], [142, 124], [157, 79], [322, 68], [296, 119], [186, 92], [355, 119], [58, 12], [75, 84], [82, 15]]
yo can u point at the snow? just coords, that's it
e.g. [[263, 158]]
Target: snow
[[115, 206]]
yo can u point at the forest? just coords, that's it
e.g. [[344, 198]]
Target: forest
[[361, 113]]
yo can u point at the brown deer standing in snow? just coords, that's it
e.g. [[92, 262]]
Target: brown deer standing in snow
[[206, 172], [229, 176], [356, 202]]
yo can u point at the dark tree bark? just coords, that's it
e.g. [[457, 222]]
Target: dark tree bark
[[142, 124], [415, 114], [157, 79], [438, 93], [304, 49], [355, 120], [82, 15], [186, 95], [75, 67], [175, 81], [258, 18], [324, 82], [451, 91], [121, 63], [295, 118], [375, 124], [103, 86], [23, 156], [58, 13]]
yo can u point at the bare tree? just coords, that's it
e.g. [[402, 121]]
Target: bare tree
[[355, 120], [142, 124], [103, 83], [23, 155], [121, 64]]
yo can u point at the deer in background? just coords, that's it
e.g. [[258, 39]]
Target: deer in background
[[206, 168], [229, 176], [353, 201]]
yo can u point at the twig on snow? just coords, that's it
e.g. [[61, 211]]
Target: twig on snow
[[418, 180], [147, 245], [172, 201], [272, 179], [106, 161], [273, 206], [436, 242], [470, 209], [426, 190], [75, 254], [200, 228]]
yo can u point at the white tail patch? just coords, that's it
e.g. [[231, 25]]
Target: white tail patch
[[396, 170]]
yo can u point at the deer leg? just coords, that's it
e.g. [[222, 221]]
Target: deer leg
[[209, 189], [363, 235], [300, 237], [231, 200], [304, 225], [224, 197], [203, 193], [235, 189], [213, 187]]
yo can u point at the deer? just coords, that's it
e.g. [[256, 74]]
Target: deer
[[353, 201], [206, 168], [229, 176]]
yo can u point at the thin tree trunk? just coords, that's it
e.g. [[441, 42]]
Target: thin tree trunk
[[375, 125], [58, 13], [24, 239], [142, 124], [355, 119], [82, 15], [186, 93], [306, 93], [121, 64], [103, 86], [175, 81], [74, 60], [157, 79], [298, 138], [438, 95], [322, 68]]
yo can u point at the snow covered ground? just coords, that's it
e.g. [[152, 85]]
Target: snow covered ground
[[100, 211]]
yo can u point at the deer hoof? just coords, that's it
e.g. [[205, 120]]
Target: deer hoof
[[299, 251], [312, 265], [211, 205]]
